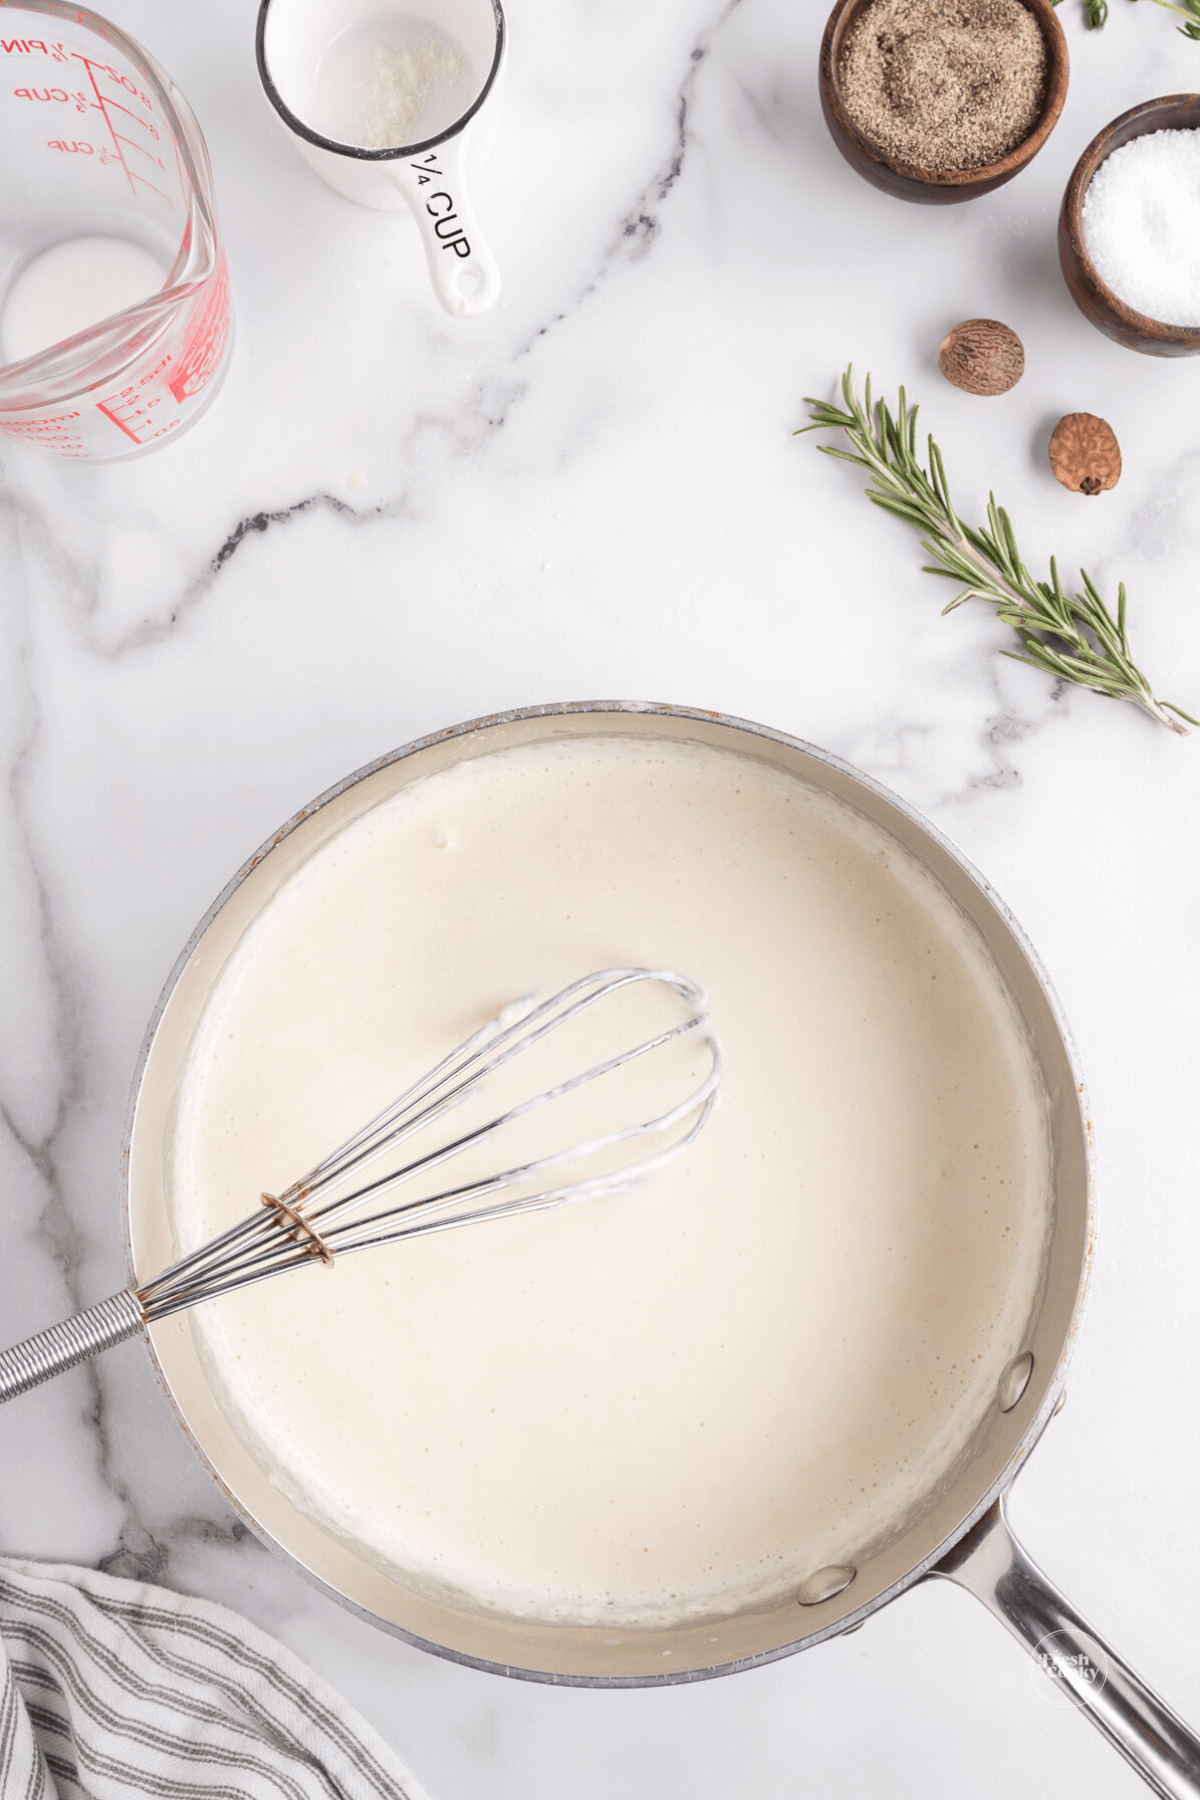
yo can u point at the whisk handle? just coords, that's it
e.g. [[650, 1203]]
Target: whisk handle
[[62, 1346]]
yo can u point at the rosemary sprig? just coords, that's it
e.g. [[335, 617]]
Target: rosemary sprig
[[1073, 636], [1190, 10], [1096, 13]]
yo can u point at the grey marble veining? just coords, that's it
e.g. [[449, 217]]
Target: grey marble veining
[[391, 521]]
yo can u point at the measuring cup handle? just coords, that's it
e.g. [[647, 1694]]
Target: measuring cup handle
[[464, 273]]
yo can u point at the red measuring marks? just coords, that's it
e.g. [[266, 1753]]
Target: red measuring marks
[[55, 431], [129, 114], [136, 412]]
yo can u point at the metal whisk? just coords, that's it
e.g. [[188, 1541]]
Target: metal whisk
[[301, 1225]]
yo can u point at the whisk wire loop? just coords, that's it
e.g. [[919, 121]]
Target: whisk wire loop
[[292, 1231], [484, 1053], [269, 1263], [298, 1227]]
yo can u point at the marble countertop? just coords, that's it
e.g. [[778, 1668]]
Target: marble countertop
[[391, 521]]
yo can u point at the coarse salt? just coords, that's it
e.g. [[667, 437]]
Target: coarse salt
[[1141, 224], [404, 84]]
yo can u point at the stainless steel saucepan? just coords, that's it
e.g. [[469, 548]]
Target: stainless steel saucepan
[[961, 1537]]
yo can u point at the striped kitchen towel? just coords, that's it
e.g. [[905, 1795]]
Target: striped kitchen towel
[[113, 1689]]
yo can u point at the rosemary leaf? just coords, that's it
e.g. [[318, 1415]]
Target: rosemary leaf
[[1071, 636], [1095, 13], [1189, 10]]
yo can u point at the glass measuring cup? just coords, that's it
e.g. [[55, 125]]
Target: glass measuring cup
[[384, 99], [114, 298]]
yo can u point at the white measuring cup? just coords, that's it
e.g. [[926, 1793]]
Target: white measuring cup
[[114, 299], [383, 99]]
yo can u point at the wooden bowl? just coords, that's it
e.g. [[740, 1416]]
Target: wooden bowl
[[932, 187], [1097, 302]]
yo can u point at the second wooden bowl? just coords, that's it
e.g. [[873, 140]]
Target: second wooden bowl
[[1095, 300], [934, 187]]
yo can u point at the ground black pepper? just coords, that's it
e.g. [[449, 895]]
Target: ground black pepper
[[944, 84]]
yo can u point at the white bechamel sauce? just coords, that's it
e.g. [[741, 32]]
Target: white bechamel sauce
[[679, 1401]]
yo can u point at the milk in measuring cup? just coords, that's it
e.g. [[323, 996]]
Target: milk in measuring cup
[[114, 302], [71, 286]]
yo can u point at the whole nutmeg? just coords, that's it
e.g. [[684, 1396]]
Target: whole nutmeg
[[1084, 453], [983, 356]]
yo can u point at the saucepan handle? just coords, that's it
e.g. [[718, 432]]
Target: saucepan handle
[[992, 1565]]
